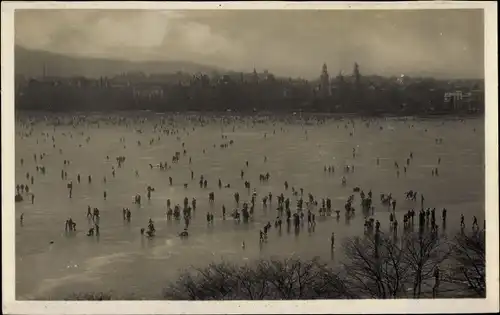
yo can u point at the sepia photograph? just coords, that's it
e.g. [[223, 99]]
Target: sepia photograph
[[244, 152]]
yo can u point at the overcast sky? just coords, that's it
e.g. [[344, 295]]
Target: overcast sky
[[291, 43]]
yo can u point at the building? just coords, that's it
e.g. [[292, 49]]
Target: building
[[459, 100], [474, 100], [454, 100], [325, 87], [149, 92]]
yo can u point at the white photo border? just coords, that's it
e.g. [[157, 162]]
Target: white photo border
[[489, 304]]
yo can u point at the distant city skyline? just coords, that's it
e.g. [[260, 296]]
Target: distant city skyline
[[442, 43]]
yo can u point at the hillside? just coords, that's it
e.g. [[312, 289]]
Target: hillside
[[30, 63]]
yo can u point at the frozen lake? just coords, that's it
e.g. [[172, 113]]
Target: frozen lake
[[122, 261]]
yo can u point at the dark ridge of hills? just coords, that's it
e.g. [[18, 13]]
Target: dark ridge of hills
[[30, 63]]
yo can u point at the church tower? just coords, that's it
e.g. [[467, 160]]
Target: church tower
[[255, 76], [325, 89]]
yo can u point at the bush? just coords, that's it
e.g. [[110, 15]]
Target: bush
[[262, 280], [89, 296]]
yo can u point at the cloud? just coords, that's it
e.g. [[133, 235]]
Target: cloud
[[199, 39], [79, 31], [289, 42], [114, 33]]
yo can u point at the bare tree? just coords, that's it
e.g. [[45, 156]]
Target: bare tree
[[424, 252], [215, 282], [376, 267], [468, 270], [379, 266]]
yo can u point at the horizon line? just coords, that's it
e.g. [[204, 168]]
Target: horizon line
[[225, 71]]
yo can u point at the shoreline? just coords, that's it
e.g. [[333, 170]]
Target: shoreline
[[251, 114]]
